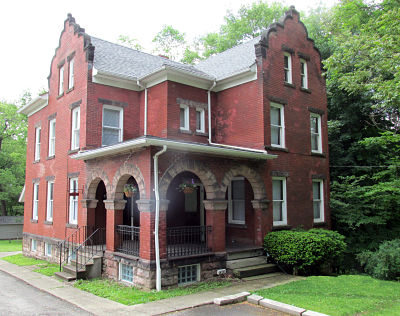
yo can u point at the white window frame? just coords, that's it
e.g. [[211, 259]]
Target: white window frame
[[50, 201], [303, 75], [71, 78], [197, 265], [231, 201], [288, 70], [320, 201], [186, 117], [35, 201], [61, 80], [33, 245], [75, 128], [281, 127], [38, 137], [202, 120], [121, 121], [73, 201], [47, 249], [284, 202], [52, 137], [121, 275], [319, 140]]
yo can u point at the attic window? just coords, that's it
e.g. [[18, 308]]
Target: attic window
[[184, 117], [287, 58], [71, 74], [61, 80]]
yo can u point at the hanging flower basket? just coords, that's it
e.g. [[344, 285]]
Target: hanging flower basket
[[130, 190], [187, 186]]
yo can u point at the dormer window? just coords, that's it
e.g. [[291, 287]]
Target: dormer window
[[71, 74], [200, 120], [303, 74], [287, 59], [61, 80], [184, 117]]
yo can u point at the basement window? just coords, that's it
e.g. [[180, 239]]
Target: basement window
[[125, 273], [47, 249], [33, 245], [188, 274]]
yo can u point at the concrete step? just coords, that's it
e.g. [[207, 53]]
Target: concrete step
[[65, 276], [71, 270], [245, 262], [255, 270], [244, 253], [263, 276]]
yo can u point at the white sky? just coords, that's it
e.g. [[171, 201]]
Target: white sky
[[29, 29]]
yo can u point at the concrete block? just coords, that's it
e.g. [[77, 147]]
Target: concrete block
[[254, 299], [231, 299], [282, 307], [312, 313]]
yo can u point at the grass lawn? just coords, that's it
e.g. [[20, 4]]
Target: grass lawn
[[342, 295], [10, 245], [131, 296], [43, 267]]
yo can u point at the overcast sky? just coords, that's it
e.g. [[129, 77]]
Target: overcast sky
[[29, 30]]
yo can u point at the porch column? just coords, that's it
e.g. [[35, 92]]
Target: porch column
[[89, 209], [262, 222], [215, 217], [115, 209]]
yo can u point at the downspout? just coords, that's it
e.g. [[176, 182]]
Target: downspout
[[157, 219], [145, 106]]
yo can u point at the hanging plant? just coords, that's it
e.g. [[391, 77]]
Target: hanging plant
[[187, 186], [130, 190]]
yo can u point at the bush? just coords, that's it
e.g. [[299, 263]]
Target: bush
[[384, 263], [304, 251]]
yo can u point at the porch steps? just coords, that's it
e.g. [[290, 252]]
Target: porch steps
[[65, 276], [246, 262], [91, 270], [263, 276], [255, 270], [244, 253]]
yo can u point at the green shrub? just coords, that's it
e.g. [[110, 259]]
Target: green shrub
[[304, 251], [384, 263]]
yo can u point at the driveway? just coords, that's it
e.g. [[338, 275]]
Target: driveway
[[19, 298]]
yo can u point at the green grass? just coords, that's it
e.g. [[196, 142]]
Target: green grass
[[43, 267], [131, 295], [10, 245], [343, 295]]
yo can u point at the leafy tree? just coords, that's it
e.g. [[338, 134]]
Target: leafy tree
[[169, 42], [130, 42]]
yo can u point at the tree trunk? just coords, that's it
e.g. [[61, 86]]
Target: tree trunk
[[3, 208]]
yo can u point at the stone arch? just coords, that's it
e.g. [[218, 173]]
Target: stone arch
[[93, 181], [121, 177], [251, 175], [199, 168]]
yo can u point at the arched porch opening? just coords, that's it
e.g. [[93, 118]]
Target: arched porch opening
[[131, 215], [100, 213]]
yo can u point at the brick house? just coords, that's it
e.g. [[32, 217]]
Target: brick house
[[246, 130]]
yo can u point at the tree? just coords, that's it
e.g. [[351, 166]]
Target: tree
[[130, 42], [170, 42]]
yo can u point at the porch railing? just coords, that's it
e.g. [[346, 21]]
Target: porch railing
[[128, 239], [187, 240]]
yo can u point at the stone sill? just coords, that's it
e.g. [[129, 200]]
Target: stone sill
[[201, 134], [290, 85], [69, 90], [305, 90], [240, 226], [60, 96], [185, 131], [281, 227], [48, 223], [34, 221], [284, 149], [71, 225], [51, 157], [73, 151], [322, 155]]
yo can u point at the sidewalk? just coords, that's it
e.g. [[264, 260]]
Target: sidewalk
[[101, 306]]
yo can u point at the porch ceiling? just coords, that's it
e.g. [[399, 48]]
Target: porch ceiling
[[146, 141]]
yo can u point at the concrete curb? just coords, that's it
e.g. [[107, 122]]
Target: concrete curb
[[231, 299]]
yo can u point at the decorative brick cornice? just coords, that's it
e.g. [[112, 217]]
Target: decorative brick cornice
[[215, 205], [114, 204]]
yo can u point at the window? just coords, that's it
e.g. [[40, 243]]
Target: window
[[318, 200], [47, 249], [315, 122], [303, 74], [71, 74], [33, 245], [125, 273], [61, 81], [287, 58], [73, 201], [75, 128], [236, 199], [184, 117], [112, 125], [50, 198], [35, 201], [38, 131], [200, 120], [52, 138], [279, 201], [188, 274], [277, 125]]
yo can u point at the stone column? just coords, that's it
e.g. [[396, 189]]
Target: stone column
[[262, 221], [215, 217], [89, 211], [115, 209]]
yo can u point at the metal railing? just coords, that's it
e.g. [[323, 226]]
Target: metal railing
[[128, 239], [187, 240]]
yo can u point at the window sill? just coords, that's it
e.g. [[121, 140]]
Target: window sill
[[240, 226], [318, 154], [68, 225], [60, 96], [277, 148], [290, 85], [281, 227], [185, 131], [36, 161], [51, 157], [48, 222], [319, 224], [305, 90], [73, 151], [69, 90], [34, 221], [201, 133]]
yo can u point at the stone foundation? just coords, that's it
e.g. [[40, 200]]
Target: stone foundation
[[40, 247]]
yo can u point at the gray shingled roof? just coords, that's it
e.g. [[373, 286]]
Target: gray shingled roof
[[132, 64]]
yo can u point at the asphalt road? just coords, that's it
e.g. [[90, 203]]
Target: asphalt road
[[19, 298], [229, 310]]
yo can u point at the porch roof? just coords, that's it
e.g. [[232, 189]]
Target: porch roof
[[192, 147]]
